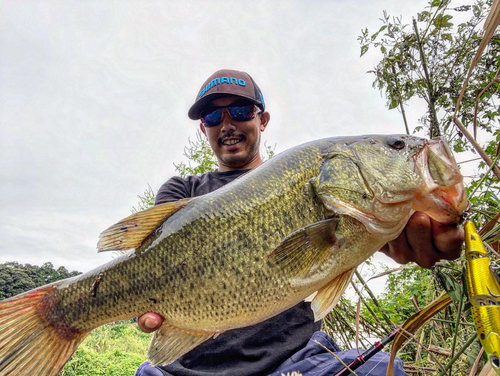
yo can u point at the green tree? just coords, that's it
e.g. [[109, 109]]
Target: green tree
[[16, 278], [429, 59], [201, 158], [113, 349]]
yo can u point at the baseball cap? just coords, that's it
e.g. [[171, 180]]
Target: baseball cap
[[226, 82]]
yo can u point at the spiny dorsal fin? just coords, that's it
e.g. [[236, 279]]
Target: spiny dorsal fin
[[169, 343], [329, 295], [130, 232], [300, 253]]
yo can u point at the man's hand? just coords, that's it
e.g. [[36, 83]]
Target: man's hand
[[149, 322], [425, 241]]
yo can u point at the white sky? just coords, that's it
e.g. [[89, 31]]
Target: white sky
[[94, 98]]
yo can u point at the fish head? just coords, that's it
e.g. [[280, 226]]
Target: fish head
[[382, 179]]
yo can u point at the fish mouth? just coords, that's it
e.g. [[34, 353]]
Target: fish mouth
[[230, 140], [443, 197]]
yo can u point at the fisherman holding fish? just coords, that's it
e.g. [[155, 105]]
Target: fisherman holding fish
[[242, 263], [231, 110]]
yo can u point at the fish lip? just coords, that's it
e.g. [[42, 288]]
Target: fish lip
[[444, 196]]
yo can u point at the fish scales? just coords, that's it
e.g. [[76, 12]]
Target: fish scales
[[193, 247], [297, 225]]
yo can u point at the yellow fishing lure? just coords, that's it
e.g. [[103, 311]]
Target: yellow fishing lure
[[484, 295]]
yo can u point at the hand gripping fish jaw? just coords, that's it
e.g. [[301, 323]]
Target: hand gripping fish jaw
[[386, 195]]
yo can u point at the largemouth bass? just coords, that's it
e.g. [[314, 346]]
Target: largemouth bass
[[297, 225]]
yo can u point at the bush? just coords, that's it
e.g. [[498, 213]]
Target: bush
[[111, 350]]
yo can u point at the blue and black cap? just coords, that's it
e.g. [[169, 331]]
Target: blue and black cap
[[226, 82]]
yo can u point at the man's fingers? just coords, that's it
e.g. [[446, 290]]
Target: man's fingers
[[149, 322], [425, 242], [420, 238], [448, 240], [398, 249]]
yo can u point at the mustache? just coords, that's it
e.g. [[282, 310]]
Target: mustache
[[222, 138]]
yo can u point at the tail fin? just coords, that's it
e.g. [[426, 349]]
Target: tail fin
[[30, 343]]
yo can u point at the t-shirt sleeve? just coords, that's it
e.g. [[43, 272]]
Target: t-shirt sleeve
[[174, 189]]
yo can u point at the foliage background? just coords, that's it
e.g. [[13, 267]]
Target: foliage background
[[16, 278], [428, 61]]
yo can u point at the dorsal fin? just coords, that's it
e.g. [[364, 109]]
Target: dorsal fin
[[130, 232]]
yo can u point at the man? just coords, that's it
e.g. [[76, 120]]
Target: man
[[231, 108]]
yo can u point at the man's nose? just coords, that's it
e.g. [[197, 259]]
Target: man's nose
[[227, 122]]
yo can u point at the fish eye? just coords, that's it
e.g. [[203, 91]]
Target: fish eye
[[396, 142]]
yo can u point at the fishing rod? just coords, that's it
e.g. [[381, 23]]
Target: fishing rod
[[362, 358], [483, 288]]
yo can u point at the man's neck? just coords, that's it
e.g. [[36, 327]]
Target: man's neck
[[255, 163]]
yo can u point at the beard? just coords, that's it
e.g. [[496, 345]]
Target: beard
[[238, 159]]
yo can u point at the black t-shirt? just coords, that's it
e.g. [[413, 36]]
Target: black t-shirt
[[253, 350]]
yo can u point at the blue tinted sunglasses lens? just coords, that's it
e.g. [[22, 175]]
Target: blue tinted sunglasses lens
[[238, 113], [212, 118], [242, 113]]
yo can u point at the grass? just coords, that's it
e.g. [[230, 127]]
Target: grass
[[116, 349]]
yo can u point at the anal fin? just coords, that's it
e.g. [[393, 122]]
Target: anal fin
[[329, 295], [169, 343]]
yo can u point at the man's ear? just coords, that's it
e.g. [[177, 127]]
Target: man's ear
[[203, 130], [264, 120]]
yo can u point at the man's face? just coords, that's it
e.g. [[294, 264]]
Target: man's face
[[235, 143]]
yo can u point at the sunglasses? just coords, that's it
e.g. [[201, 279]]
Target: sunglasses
[[210, 118]]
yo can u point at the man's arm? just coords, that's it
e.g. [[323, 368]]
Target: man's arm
[[423, 241]]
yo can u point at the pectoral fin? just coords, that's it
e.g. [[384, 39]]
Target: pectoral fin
[[169, 343], [130, 232], [329, 295], [305, 251]]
